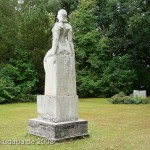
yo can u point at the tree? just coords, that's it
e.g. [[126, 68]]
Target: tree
[[8, 29], [69, 5], [139, 38], [37, 20], [17, 78], [117, 76], [35, 28], [85, 40], [125, 24], [100, 70]]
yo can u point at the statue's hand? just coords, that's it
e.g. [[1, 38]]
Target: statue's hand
[[50, 53]]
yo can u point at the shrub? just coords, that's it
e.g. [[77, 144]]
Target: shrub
[[8, 90], [17, 78], [122, 98], [140, 100]]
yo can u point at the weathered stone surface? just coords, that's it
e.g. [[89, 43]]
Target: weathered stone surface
[[57, 108], [60, 76], [137, 93], [59, 61], [58, 131]]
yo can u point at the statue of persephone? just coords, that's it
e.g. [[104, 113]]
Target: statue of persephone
[[59, 60]]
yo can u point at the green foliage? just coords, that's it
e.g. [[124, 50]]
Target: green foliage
[[122, 98], [35, 27], [126, 25], [17, 79], [140, 100], [99, 71], [25, 36], [8, 29], [117, 76], [85, 39], [53, 6], [140, 48], [69, 5], [111, 37], [8, 90]]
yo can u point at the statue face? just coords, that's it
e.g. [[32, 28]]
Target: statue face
[[62, 15]]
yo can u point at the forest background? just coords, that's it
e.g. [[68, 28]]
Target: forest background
[[111, 38]]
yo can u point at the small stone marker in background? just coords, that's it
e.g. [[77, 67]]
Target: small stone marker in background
[[139, 93]]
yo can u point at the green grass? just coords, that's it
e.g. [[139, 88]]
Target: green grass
[[111, 127]]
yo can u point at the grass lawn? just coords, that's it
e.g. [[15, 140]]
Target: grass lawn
[[111, 127]]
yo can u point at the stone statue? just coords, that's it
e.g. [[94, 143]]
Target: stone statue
[[62, 37], [58, 108], [60, 60]]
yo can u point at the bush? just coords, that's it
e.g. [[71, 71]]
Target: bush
[[17, 78], [122, 98], [140, 100], [8, 90], [115, 76]]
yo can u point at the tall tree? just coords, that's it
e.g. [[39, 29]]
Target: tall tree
[[8, 29], [100, 71], [35, 27], [126, 24]]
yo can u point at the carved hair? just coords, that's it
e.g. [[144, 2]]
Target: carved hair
[[62, 15]]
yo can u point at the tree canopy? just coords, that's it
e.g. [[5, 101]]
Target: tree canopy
[[111, 38]]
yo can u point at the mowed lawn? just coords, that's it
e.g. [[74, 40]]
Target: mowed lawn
[[111, 127]]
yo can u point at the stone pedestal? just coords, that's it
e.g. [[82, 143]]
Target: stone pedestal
[[57, 118], [58, 108], [58, 131]]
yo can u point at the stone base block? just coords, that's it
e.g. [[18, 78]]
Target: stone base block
[[57, 108], [58, 131]]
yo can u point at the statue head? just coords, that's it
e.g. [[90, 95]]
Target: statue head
[[62, 15]]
